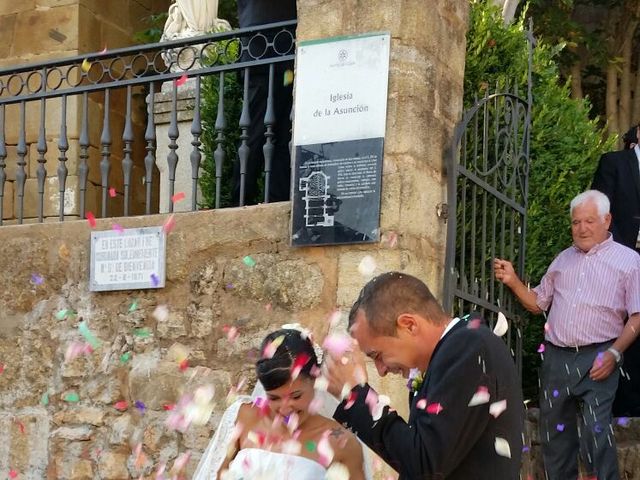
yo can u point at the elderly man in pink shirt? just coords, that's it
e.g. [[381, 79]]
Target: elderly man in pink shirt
[[589, 290]]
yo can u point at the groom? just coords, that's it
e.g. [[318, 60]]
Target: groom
[[466, 416]]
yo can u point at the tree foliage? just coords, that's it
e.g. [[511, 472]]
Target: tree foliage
[[565, 142]]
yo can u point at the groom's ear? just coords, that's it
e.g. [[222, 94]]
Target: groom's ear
[[407, 322]]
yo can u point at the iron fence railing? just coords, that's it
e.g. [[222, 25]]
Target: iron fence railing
[[105, 102]]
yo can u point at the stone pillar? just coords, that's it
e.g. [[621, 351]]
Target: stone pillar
[[162, 110], [425, 102]]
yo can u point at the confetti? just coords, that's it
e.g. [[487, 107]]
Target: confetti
[[390, 239], [182, 80], [161, 313], [502, 447], [44, 400], [155, 281], [337, 471], [298, 364], [267, 307], [91, 218], [556, 393], [168, 407], [231, 332], [37, 279], [71, 397], [367, 266], [270, 349], [421, 404], [75, 349], [541, 348], [183, 365], [88, 335], [169, 224], [65, 313], [144, 332], [133, 307], [480, 397], [337, 344], [249, 262], [310, 446], [325, 452], [121, 406], [180, 463], [86, 65], [20, 426], [125, 357], [501, 325], [434, 408], [118, 228], [560, 427], [104, 50], [13, 473], [140, 406], [178, 197], [474, 323], [288, 78], [112, 192], [624, 421], [497, 408]]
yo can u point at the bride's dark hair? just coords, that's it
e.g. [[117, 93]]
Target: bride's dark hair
[[274, 372]]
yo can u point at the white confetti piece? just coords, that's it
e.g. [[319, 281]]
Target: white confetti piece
[[480, 397], [337, 471], [161, 313], [502, 447], [367, 266], [497, 408], [501, 325]]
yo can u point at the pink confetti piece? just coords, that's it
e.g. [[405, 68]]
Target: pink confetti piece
[[434, 408], [13, 473], [37, 279], [298, 364], [112, 192], [231, 333], [480, 397], [267, 307], [351, 399], [169, 224], [178, 197], [325, 452], [182, 80], [104, 50], [541, 348], [421, 404], [91, 218], [118, 228], [270, 349], [337, 344], [1, 368], [183, 365], [474, 324], [121, 405]]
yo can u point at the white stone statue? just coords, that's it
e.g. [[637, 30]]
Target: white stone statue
[[190, 18]]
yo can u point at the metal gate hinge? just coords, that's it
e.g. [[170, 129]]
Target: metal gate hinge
[[442, 210]]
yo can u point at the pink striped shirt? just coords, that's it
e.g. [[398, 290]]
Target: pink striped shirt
[[590, 294]]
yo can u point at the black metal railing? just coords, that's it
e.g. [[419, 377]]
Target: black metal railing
[[106, 104]]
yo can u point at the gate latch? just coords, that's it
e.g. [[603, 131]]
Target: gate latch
[[442, 210]]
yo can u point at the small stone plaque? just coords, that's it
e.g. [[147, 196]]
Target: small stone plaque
[[133, 258]]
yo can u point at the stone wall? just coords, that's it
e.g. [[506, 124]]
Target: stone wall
[[40, 30], [61, 419]]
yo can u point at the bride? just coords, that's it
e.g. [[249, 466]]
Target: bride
[[281, 436]]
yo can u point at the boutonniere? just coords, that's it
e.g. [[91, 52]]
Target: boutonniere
[[415, 380]]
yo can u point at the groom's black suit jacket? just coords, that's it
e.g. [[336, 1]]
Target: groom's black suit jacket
[[618, 176], [459, 443]]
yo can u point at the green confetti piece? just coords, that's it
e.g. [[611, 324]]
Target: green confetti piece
[[249, 262], [134, 306], [142, 332], [45, 399], [62, 314], [310, 445], [125, 357], [88, 336], [72, 397]]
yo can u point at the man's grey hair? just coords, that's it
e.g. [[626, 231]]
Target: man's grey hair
[[595, 196]]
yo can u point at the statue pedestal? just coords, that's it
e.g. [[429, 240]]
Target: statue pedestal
[[162, 115]]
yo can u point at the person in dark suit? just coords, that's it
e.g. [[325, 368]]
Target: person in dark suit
[[466, 416], [618, 176], [273, 44]]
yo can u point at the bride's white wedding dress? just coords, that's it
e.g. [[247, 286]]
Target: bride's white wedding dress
[[257, 464]]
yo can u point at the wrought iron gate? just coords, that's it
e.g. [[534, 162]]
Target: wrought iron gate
[[487, 207]]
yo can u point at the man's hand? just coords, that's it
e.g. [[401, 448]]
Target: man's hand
[[505, 272], [602, 366], [347, 370]]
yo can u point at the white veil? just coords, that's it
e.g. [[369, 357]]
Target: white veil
[[216, 451]]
